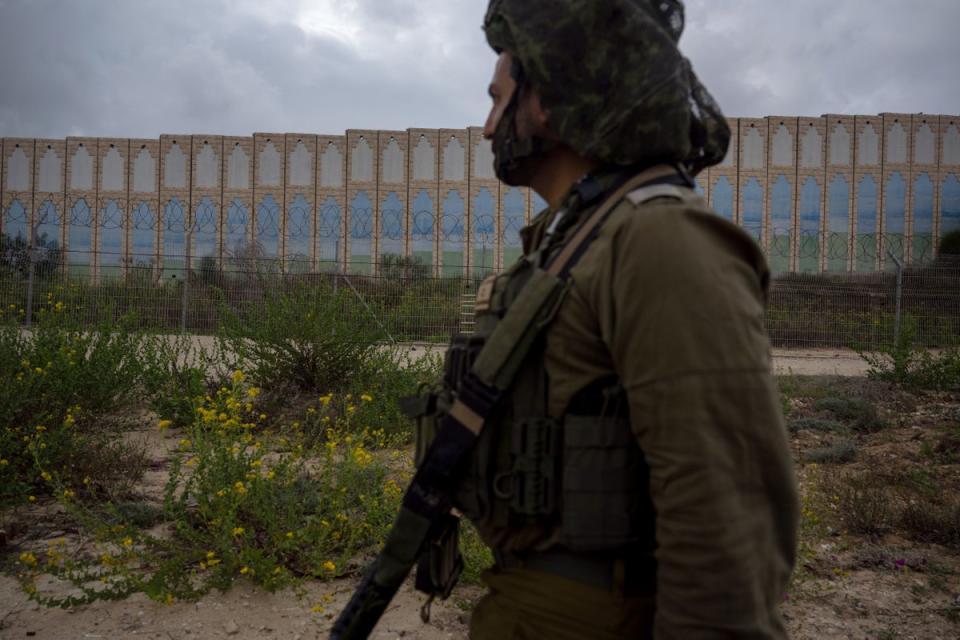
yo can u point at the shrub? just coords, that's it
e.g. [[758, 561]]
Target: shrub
[[909, 365], [932, 520], [861, 413], [839, 453], [815, 424], [174, 376], [300, 341], [60, 390], [863, 503]]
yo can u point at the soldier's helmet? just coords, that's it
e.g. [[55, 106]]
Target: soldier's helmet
[[613, 78]]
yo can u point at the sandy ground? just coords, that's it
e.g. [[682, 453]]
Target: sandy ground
[[863, 605]]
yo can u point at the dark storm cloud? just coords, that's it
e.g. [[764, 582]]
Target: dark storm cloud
[[139, 68]]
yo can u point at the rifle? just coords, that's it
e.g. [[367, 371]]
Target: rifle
[[425, 519]]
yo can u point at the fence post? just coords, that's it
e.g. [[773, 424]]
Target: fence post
[[31, 247], [899, 296]]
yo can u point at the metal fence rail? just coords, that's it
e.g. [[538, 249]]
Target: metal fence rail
[[409, 304]]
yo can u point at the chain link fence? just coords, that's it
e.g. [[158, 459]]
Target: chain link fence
[[860, 310]]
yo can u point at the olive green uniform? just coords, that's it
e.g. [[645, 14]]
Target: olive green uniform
[[669, 298]]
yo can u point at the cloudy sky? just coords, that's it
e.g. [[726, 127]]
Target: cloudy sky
[[144, 67]]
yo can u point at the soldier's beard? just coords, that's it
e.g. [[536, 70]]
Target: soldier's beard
[[515, 159]]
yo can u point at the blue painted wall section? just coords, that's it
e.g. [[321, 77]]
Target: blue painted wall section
[[143, 236], [838, 224], [361, 233], [329, 232], [453, 236], [483, 233], [299, 231], [514, 206], [392, 225], [422, 225], [722, 192], [865, 245], [268, 227], [752, 214], [894, 224], [808, 248]]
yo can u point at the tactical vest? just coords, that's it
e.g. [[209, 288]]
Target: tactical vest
[[532, 481]]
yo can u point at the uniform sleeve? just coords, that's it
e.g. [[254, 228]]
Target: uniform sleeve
[[683, 322]]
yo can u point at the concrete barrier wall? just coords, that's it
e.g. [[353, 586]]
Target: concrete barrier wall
[[834, 193]]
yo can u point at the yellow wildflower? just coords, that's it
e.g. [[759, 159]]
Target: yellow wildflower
[[317, 608], [237, 377], [325, 400], [256, 464], [351, 408], [128, 542], [58, 307], [68, 493], [169, 599], [164, 424], [270, 474], [46, 476], [69, 421], [28, 558], [289, 535], [86, 480], [329, 566], [361, 457], [253, 392], [184, 443], [366, 397], [211, 555], [237, 531], [31, 498], [239, 487], [263, 417], [4, 462], [244, 570]]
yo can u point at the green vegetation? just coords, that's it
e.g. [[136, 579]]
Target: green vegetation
[[290, 459]]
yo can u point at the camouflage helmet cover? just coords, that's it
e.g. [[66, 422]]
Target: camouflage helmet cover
[[615, 83]]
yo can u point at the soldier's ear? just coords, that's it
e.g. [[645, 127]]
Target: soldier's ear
[[538, 112]]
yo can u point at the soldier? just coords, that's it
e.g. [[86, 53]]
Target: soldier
[[636, 480]]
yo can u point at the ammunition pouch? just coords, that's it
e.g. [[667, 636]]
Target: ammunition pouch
[[440, 565]]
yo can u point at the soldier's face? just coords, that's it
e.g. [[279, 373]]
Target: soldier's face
[[531, 116], [501, 90], [515, 115]]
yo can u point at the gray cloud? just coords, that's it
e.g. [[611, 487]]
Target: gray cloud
[[141, 68]]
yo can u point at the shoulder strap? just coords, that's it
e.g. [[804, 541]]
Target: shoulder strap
[[561, 264]]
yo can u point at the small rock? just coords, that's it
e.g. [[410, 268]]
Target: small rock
[[231, 628]]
